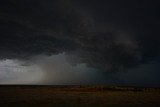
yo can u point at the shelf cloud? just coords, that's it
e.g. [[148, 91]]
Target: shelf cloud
[[108, 36]]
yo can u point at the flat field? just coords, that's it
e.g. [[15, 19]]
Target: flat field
[[78, 96]]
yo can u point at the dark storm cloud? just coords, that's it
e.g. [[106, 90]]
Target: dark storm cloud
[[108, 35], [34, 27]]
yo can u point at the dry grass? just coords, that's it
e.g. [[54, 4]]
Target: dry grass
[[78, 96]]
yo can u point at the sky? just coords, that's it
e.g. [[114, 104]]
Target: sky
[[80, 42]]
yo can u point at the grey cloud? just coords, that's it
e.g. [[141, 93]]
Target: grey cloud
[[30, 28]]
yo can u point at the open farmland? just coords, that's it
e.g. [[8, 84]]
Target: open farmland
[[78, 96]]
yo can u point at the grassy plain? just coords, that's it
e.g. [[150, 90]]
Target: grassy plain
[[78, 96]]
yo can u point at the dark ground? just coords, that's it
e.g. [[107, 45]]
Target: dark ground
[[78, 96]]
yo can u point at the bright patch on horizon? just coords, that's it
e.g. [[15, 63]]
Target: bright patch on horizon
[[12, 72]]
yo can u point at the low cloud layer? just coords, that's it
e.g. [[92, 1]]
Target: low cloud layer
[[49, 70], [56, 70]]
